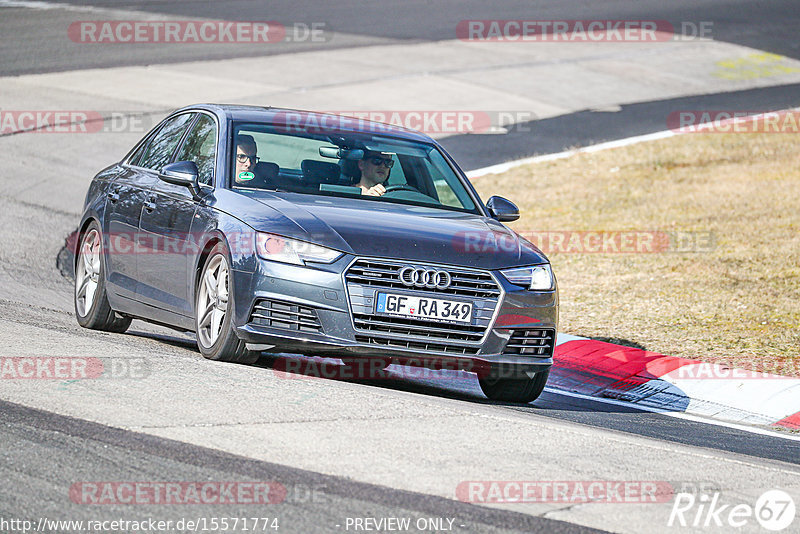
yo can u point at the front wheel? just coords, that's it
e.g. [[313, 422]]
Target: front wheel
[[213, 312], [91, 302], [522, 390]]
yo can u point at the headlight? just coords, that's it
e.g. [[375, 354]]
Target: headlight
[[535, 278], [277, 248]]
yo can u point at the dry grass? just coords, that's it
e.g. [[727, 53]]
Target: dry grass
[[737, 303]]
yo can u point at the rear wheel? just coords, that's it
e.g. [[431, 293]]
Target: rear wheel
[[91, 302], [515, 389], [214, 309]]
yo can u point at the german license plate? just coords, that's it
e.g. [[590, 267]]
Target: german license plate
[[424, 308]]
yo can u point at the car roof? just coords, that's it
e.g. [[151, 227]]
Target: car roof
[[316, 119]]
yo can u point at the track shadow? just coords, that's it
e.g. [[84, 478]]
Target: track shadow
[[620, 341], [448, 384], [553, 404], [586, 127], [173, 341]]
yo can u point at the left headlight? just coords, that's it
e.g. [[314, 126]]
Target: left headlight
[[278, 248], [535, 277]]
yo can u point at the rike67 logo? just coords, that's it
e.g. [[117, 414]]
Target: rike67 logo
[[774, 510]]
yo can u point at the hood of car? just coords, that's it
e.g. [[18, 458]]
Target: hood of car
[[390, 230]]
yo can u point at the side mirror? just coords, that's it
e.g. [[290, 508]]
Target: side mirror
[[503, 210], [182, 173]]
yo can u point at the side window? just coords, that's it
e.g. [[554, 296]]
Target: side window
[[160, 149], [137, 156], [201, 147]]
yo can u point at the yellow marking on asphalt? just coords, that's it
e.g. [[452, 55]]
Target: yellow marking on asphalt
[[764, 65]]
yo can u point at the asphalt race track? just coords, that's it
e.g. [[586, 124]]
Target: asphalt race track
[[347, 450]]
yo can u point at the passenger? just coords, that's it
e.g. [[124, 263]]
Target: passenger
[[375, 168], [246, 158]]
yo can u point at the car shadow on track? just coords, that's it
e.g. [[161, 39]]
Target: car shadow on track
[[553, 404], [459, 385], [174, 341], [447, 384]]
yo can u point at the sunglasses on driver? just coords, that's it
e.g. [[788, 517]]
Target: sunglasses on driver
[[377, 160]]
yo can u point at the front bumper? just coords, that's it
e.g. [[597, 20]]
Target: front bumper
[[327, 311]]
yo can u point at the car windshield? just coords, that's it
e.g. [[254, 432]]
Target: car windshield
[[278, 158]]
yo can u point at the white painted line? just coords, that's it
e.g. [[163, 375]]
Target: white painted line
[[762, 394], [503, 167], [678, 415], [107, 11], [47, 5]]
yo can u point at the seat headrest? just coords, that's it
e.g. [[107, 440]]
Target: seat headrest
[[350, 169], [267, 169], [321, 172]]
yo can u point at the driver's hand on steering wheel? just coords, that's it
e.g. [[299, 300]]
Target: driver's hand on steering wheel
[[375, 191]]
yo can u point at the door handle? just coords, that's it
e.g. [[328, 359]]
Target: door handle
[[150, 205], [113, 196]]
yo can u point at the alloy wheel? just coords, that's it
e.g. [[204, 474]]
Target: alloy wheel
[[212, 301], [88, 272]]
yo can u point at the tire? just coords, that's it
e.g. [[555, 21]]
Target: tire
[[91, 301], [216, 338], [523, 390]]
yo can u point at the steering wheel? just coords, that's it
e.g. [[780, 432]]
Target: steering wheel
[[401, 187]]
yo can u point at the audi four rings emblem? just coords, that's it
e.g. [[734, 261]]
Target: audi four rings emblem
[[428, 278]]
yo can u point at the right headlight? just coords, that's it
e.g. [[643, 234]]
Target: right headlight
[[535, 277], [278, 248]]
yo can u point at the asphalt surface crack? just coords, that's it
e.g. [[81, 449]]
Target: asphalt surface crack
[[48, 209], [370, 418]]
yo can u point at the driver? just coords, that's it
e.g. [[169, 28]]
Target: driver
[[375, 168]]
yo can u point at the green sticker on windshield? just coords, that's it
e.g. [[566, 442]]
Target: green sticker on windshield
[[245, 176]]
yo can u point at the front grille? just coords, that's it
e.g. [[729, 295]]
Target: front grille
[[420, 329], [381, 273], [537, 343], [286, 315], [366, 277], [416, 345]]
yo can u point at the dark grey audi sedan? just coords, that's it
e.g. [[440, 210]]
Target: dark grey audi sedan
[[265, 229]]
